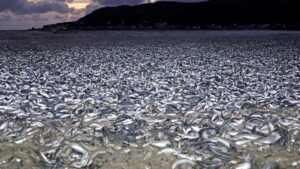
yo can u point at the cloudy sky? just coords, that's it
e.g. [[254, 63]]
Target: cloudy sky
[[25, 14]]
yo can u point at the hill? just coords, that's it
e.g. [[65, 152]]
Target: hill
[[213, 14]]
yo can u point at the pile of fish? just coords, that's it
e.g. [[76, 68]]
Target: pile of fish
[[161, 103]]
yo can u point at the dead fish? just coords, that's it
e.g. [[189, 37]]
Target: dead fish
[[82, 105], [4, 125], [7, 108], [272, 165], [85, 159], [272, 139], [246, 165], [168, 151], [45, 159], [224, 141], [44, 94], [242, 142], [190, 157], [160, 144], [219, 152], [183, 161], [190, 137], [21, 141], [247, 136], [207, 132]]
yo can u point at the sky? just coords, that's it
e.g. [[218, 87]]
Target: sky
[[26, 14]]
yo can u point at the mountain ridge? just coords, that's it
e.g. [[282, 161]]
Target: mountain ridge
[[213, 14]]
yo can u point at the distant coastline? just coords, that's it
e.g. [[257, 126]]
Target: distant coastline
[[208, 15], [68, 26]]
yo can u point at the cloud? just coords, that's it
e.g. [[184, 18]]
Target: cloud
[[29, 7], [9, 21]]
